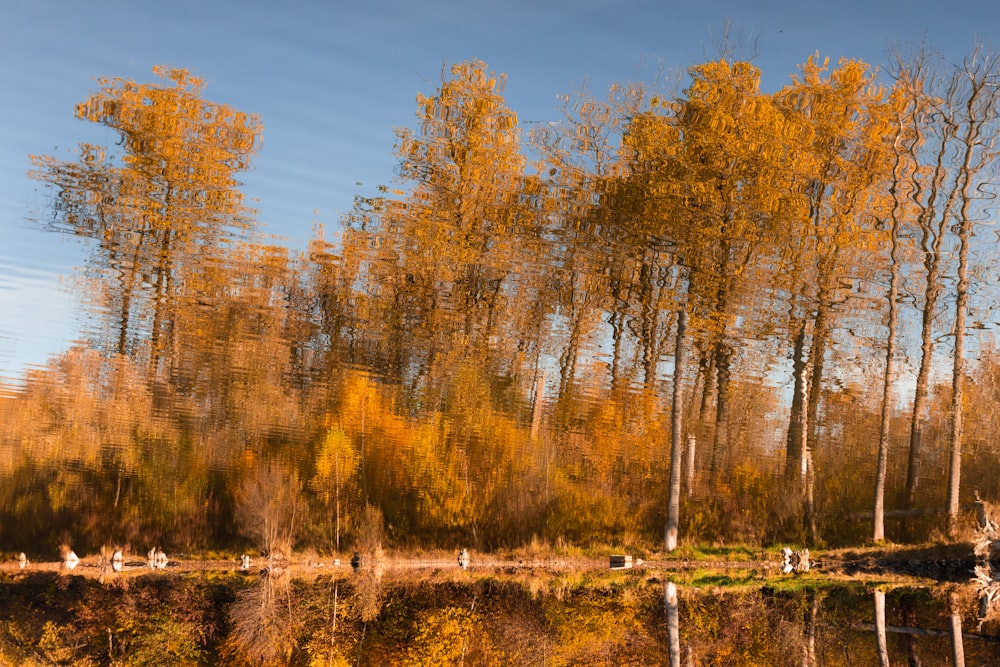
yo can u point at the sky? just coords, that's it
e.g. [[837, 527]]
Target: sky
[[330, 80]]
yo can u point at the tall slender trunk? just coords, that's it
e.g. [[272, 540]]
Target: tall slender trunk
[[673, 623], [817, 362], [878, 527], [676, 432], [617, 322], [809, 645], [826, 266], [958, 370], [128, 288], [980, 107], [161, 298], [921, 388], [692, 445], [650, 315], [955, 627], [707, 365], [930, 243], [796, 442], [720, 440], [694, 417], [817, 352], [880, 635], [539, 405], [567, 365], [722, 352]]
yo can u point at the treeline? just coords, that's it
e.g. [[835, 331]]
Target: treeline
[[488, 351]]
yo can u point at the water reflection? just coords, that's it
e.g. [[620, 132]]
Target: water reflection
[[436, 616], [368, 563], [883, 648], [484, 353], [266, 620], [673, 623]]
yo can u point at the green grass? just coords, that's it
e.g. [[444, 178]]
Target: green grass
[[727, 553]]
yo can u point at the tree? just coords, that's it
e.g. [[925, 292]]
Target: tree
[[162, 213], [728, 158], [842, 172], [455, 232], [974, 100], [892, 323]]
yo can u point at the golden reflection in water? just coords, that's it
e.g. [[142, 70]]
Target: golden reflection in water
[[484, 352]]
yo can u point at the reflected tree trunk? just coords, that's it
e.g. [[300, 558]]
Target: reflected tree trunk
[[817, 353], [720, 440], [692, 445], [976, 94], [673, 624], [676, 432], [707, 369], [928, 194], [650, 314], [889, 377], [958, 378], [539, 405], [809, 647], [795, 449], [931, 237], [127, 278], [617, 323], [567, 364], [883, 646], [955, 627]]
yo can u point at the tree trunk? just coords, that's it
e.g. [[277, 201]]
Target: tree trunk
[[720, 439], [816, 358], [676, 433], [673, 624], [878, 527], [707, 369], [650, 314], [932, 289], [980, 107], [796, 442], [692, 444], [883, 645], [955, 627], [567, 365], [539, 405], [958, 384], [809, 645], [128, 275]]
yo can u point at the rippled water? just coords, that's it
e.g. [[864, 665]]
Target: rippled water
[[487, 352], [734, 310], [534, 617]]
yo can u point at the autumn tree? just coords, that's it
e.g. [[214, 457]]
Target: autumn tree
[[449, 238], [973, 104], [729, 175], [841, 171], [161, 211], [953, 121], [898, 213]]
